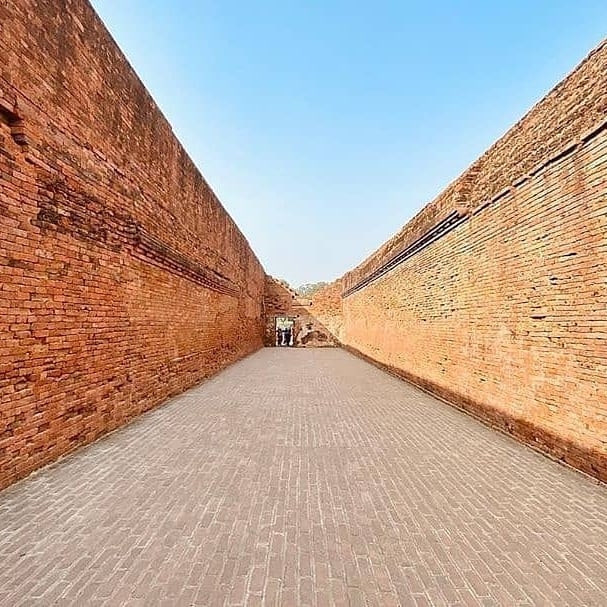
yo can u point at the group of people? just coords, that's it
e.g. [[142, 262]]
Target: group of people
[[283, 336]]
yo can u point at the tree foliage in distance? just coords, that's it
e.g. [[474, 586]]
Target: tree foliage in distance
[[310, 288]]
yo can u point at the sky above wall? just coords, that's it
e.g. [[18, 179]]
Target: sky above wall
[[324, 126]]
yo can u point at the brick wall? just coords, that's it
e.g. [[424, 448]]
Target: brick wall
[[499, 301], [123, 279], [327, 308], [308, 330]]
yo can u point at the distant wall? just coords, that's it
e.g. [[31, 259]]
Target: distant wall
[[327, 308], [495, 295], [282, 301], [123, 279]]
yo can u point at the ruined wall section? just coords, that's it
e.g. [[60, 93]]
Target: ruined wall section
[[504, 311], [123, 279], [327, 308], [282, 301]]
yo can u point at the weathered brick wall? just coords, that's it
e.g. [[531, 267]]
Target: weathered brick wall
[[505, 313], [327, 308], [123, 279], [308, 330]]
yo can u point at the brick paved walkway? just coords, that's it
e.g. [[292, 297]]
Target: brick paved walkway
[[304, 477]]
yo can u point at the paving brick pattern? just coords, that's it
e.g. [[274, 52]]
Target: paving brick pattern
[[304, 477]]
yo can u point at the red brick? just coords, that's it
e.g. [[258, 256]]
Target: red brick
[[124, 280], [505, 314]]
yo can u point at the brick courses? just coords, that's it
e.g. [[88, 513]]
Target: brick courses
[[506, 314], [309, 330], [123, 279], [304, 477], [327, 308]]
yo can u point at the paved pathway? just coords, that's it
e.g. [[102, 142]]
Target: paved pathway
[[304, 477]]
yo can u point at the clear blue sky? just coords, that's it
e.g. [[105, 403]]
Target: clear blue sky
[[323, 126]]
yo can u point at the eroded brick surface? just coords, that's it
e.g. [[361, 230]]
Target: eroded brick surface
[[304, 477], [326, 305], [309, 330], [122, 278], [505, 314]]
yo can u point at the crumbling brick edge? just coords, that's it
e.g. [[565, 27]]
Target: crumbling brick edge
[[591, 463]]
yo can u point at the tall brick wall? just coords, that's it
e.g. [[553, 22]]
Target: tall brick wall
[[123, 279], [499, 299]]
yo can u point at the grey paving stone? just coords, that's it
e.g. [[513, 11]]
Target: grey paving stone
[[304, 477]]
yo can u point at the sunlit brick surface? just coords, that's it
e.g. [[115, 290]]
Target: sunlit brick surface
[[304, 477], [505, 314], [123, 280]]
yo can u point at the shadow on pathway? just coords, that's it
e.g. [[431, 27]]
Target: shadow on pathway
[[304, 477]]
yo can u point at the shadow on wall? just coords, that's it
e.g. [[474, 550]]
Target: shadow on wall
[[289, 321], [493, 296]]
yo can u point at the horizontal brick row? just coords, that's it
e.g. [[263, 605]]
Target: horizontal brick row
[[123, 279], [506, 314]]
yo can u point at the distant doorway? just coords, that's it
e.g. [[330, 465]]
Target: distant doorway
[[284, 331]]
